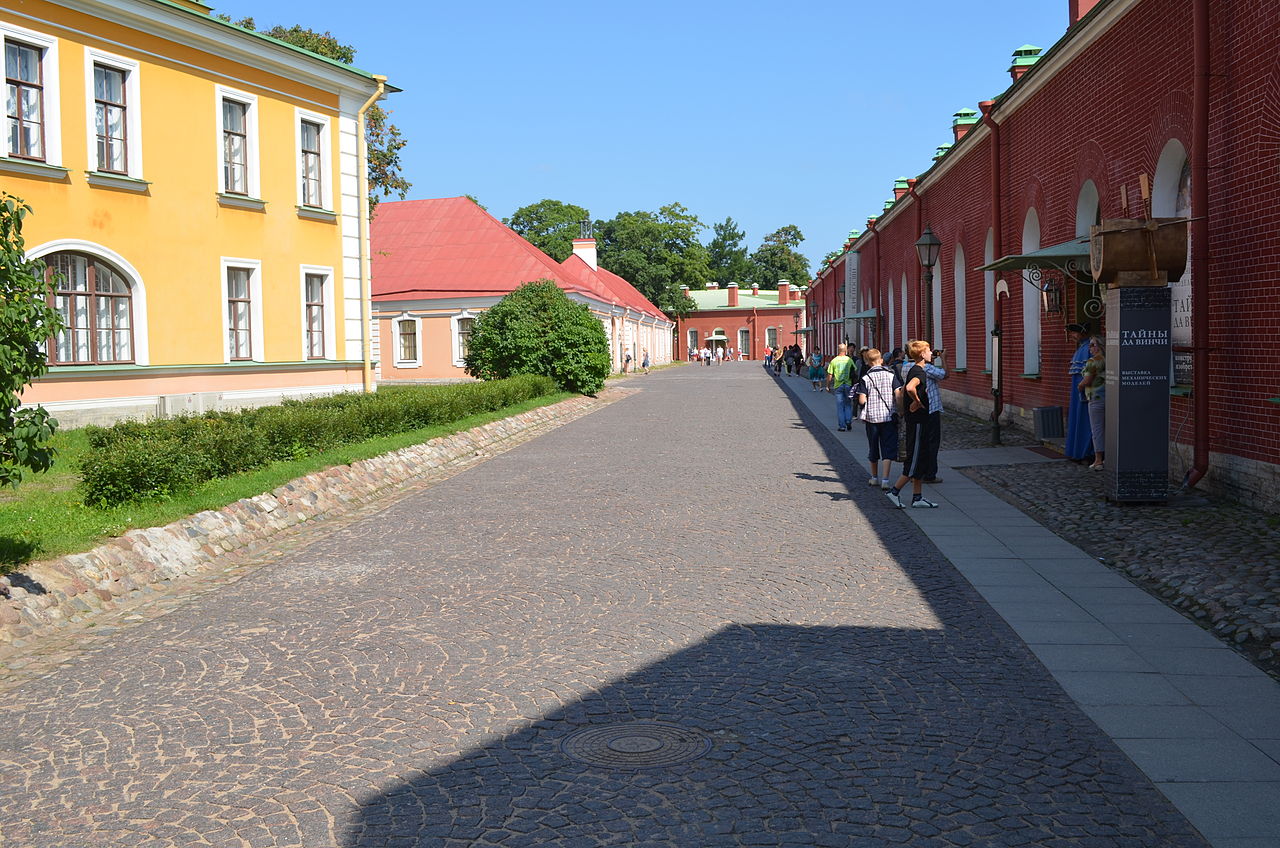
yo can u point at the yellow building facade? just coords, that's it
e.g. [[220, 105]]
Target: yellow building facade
[[196, 191]]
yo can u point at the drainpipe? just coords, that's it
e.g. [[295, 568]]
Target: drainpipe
[[922, 317], [1200, 243], [997, 250], [366, 294]]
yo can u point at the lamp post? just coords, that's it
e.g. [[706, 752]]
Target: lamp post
[[927, 248]]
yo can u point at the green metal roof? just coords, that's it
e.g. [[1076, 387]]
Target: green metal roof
[[719, 299]]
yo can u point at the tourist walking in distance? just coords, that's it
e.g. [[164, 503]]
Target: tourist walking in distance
[[920, 461], [839, 371]]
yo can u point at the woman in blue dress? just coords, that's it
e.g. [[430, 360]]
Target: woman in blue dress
[[1079, 443]]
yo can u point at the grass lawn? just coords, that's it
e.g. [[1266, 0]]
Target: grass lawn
[[45, 516]]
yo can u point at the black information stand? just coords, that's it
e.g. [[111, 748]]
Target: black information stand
[[1138, 349]]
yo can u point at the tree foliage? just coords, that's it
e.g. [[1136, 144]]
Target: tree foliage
[[383, 138], [549, 225], [778, 259], [537, 329], [27, 322], [657, 253], [727, 259]]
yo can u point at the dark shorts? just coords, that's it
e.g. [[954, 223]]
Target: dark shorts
[[920, 447], [882, 440]]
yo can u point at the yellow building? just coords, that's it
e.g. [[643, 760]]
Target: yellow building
[[197, 189]]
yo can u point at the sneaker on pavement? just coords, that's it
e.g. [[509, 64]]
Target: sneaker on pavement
[[923, 503], [885, 484], [895, 500], [874, 481]]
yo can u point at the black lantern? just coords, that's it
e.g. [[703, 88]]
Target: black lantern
[[928, 246]]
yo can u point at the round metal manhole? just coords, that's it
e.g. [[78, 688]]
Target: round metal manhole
[[636, 745]]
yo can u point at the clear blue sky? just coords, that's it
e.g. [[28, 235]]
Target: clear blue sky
[[773, 113]]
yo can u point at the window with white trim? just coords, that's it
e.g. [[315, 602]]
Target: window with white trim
[[314, 179], [113, 114], [32, 121], [314, 285], [460, 328], [405, 329], [96, 304], [242, 309], [237, 143]]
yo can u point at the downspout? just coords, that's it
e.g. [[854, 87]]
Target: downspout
[[921, 316], [997, 251], [1200, 243], [366, 293]]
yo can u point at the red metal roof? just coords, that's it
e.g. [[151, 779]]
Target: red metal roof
[[449, 247]]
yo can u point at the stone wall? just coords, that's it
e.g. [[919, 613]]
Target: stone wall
[[69, 589]]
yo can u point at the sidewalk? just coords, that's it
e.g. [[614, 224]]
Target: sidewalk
[[1195, 716]]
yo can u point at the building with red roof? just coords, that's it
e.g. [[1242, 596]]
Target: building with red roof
[[438, 264]]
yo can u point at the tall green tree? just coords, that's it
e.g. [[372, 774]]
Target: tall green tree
[[727, 258], [27, 322], [549, 225], [657, 252], [382, 138], [778, 259]]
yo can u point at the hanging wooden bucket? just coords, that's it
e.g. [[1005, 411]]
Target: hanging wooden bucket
[[1136, 252]]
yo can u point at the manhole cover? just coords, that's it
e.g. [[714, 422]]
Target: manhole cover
[[636, 745]]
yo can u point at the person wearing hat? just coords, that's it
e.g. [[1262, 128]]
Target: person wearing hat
[[1079, 442]]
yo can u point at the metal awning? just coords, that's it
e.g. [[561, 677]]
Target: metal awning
[[866, 313], [834, 321], [803, 330], [716, 339], [1070, 256]]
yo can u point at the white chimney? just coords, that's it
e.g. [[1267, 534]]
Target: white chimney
[[586, 248]]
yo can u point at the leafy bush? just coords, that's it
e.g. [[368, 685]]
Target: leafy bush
[[537, 329], [133, 460]]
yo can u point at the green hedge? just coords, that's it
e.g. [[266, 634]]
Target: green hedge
[[134, 460]]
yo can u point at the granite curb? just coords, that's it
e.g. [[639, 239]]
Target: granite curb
[[44, 596]]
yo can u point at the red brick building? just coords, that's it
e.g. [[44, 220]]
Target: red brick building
[[747, 320], [1153, 95]]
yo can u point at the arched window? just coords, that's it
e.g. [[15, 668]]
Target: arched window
[[744, 341], [1088, 298], [1030, 298], [96, 302], [935, 313], [693, 339], [892, 325], [960, 358], [902, 342], [1171, 198]]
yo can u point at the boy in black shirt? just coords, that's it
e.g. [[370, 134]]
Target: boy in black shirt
[[923, 437]]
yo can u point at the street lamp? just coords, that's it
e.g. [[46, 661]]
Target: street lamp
[[927, 248]]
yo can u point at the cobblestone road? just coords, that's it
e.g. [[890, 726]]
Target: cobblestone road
[[695, 557]]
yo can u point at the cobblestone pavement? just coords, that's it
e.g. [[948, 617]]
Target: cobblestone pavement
[[759, 651], [1213, 558]]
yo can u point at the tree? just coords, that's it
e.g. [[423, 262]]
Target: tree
[[727, 254], [27, 322], [382, 137], [537, 329], [777, 259], [549, 225], [657, 253]]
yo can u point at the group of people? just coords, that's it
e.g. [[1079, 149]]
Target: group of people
[[1086, 415], [628, 365], [789, 357], [887, 394], [707, 355]]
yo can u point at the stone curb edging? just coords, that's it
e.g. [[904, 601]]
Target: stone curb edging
[[51, 594]]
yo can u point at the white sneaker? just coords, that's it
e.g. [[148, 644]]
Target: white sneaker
[[923, 503], [874, 481], [895, 500], [885, 484]]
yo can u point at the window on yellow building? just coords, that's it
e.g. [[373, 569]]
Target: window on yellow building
[[24, 100], [407, 331], [109, 119], [239, 313], [96, 303], [312, 194], [465, 326], [315, 316], [235, 147]]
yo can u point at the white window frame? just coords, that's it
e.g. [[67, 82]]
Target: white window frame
[[326, 157], [51, 107], [253, 178], [395, 341], [257, 334], [456, 340], [960, 356], [330, 319], [132, 106]]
